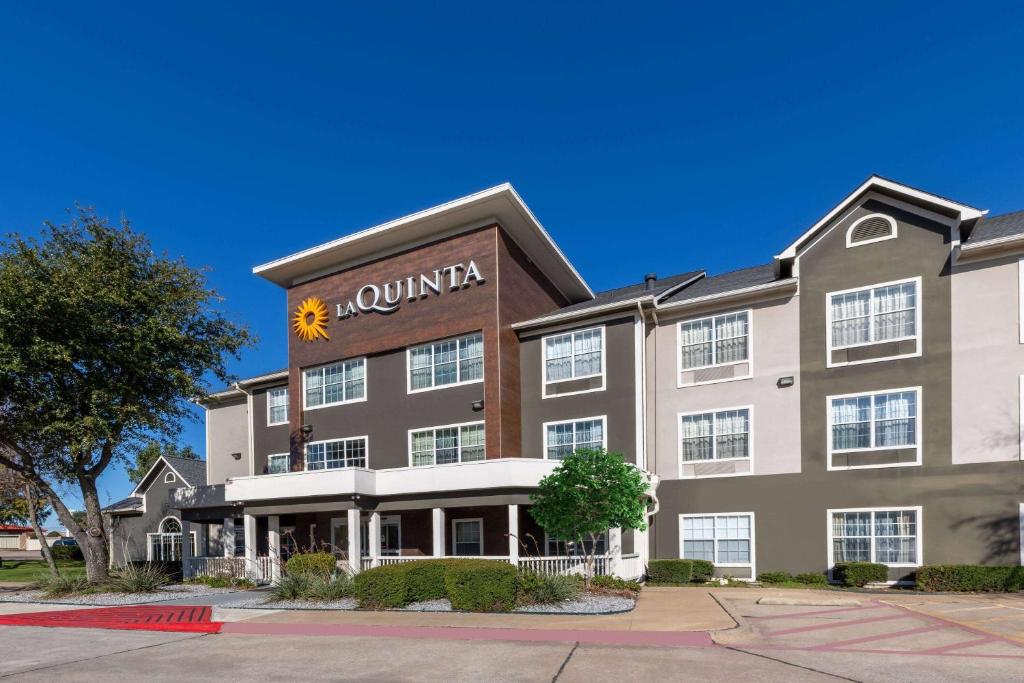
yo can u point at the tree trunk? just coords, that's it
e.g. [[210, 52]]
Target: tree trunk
[[94, 547], [33, 519]]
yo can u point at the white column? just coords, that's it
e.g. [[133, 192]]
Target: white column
[[354, 559], [513, 535], [641, 546], [615, 551], [227, 536], [274, 546], [186, 549], [374, 531], [438, 526], [251, 567]]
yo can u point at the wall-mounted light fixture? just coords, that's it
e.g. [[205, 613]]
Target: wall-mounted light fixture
[[236, 456], [784, 382], [478, 406], [306, 431]]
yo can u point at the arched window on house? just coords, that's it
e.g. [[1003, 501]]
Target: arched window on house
[[165, 544]]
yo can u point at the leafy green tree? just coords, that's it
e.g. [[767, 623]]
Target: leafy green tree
[[149, 453], [14, 504], [103, 344], [588, 493]]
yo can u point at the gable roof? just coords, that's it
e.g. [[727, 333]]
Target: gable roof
[[620, 297], [499, 204], [129, 504], [14, 528], [191, 472], [893, 189]]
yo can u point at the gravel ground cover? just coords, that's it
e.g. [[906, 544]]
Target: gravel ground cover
[[585, 604], [172, 592]]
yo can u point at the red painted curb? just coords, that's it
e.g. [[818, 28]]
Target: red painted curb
[[178, 619]]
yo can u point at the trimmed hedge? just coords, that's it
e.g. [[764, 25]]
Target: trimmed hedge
[[320, 564], [679, 571], [970, 577], [383, 587], [859, 574], [481, 585], [811, 579], [424, 580], [774, 577]]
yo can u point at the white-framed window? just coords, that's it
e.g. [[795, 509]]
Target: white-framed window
[[277, 406], [558, 546], [239, 550], [889, 536], [715, 340], [446, 363], [446, 445], [330, 385], [565, 438], [574, 355], [278, 463], [169, 478], [716, 435], [165, 544], [336, 453], [884, 420], [726, 539], [468, 536], [879, 313]]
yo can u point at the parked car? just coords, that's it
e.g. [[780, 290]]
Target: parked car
[[65, 541]]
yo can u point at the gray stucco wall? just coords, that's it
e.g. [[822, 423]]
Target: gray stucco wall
[[617, 400], [227, 432]]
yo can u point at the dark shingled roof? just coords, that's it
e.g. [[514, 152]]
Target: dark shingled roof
[[130, 503], [726, 282], [194, 471], [628, 292], [994, 227]]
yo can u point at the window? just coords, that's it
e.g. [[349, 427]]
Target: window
[[873, 314], [446, 445], [725, 539], [169, 478], [277, 406], [467, 536], [721, 435], [337, 383], [718, 340], [874, 421], [873, 535], [557, 546], [565, 438], [574, 355], [445, 363], [277, 463], [165, 545], [239, 537], [336, 454]]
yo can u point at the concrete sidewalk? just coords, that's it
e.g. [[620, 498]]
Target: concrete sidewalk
[[657, 609]]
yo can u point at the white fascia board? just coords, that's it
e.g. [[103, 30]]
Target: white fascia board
[[428, 480], [136, 493], [778, 284], [966, 212], [584, 313], [500, 204]]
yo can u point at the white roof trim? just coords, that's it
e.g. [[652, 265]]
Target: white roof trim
[[488, 204], [994, 242], [778, 284], [136, 493], [966, 212], [248, 382]]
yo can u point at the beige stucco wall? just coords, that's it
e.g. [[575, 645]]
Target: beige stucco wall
[[988, 360], [775, 353], [227, 432]]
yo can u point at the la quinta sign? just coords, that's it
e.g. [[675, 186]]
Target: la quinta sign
[[388, 297]]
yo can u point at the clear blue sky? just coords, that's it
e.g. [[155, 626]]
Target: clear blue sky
[[645, 138]]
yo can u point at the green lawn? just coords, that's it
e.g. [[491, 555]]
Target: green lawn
[[30, 570]]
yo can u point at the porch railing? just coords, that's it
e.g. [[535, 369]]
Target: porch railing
[[232, 567]]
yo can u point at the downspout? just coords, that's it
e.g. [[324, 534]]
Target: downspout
[[248, 428]]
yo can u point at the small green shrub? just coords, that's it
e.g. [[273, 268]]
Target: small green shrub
[[670, 571], [481, 585], [383, 587], [774, 577], [67, 553], [60, 586], [702, 571], [613, 584], [321, 564], [811, 579], [859, 574], [424, 580], [969, 577], [328, 588], [292, 587], [221, 582], [534, 588], [139, 578]]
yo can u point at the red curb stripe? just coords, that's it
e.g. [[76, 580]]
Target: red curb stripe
[[655, 638], [837, 624], [184, 619]]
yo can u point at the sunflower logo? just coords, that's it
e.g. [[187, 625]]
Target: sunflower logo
[[310, 321]]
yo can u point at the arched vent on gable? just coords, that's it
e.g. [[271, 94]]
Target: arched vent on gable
[[873, 228], [169, 478]]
